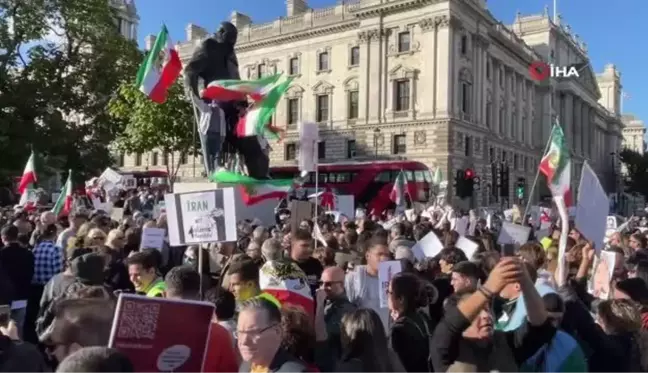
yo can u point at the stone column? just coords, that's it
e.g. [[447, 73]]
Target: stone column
[[374, 55], [365, 83], [444, 67], [568, 120], [428, 74]]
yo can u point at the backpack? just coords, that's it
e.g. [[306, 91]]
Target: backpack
[[46, 313]]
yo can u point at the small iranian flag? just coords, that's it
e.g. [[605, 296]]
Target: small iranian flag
[[556, 165], [397, 194], [160, 69], [255, 122], [63, 204], [239, 90], [253, 190], [28, 177]]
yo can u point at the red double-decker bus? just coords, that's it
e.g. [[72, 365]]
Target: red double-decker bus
[[147, 178], [369, 182]]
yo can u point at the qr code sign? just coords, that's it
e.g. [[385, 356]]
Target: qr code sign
[[138, 320]]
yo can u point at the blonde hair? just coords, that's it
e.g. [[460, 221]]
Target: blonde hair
[[80, 239]]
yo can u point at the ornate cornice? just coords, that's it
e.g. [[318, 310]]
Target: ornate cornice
[[392, 7]]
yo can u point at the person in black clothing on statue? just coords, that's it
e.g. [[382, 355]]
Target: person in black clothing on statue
[[215, 59], [18, 263], [466, 335]]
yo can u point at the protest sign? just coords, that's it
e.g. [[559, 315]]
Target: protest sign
[[110, 176], [429, 246], [599, 284], [160, 334], [387, 270], [467, 246], [592, 208], [153, 238], [513, 234], [300, 211], [117, 214], [201, 217]]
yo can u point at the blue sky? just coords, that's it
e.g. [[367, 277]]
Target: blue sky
[[613, 33]]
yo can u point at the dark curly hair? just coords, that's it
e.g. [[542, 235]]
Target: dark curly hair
[[298, 333]]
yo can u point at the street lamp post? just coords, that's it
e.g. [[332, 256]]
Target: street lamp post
[[376, 134]]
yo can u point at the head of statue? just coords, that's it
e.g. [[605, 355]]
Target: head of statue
[[227, 33]]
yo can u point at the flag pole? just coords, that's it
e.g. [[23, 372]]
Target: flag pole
[[535, 181]]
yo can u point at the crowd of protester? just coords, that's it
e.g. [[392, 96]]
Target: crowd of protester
[[59, 279]]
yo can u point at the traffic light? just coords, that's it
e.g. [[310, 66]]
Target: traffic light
[[520, 188], [504, 180], [465, 182]]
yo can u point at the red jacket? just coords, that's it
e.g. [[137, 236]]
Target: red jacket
[[221, 355]]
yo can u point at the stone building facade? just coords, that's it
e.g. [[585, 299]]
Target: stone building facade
[[438, 81], [634, 133]]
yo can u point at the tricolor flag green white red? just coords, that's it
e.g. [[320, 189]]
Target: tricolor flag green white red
[[160, 69], [556, 165], [29, 175], [256, 120], [63, 205], [239, 90], [253, 190], [288, 284], [398, 191]]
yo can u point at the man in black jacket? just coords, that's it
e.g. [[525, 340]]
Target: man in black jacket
[[18, 263]]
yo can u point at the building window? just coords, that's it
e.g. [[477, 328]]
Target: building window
[[404, 41], [465, 97], [464, 44], [515, 161], [491, 154], [138, 159], [514, 124], [165, 158], [261, 70], [489, 66], [323, 61], [468, 146], [501, 120], [352, 105], [154, 159], [504, 156], [184, 158], [351, 148], [501, 77], [402, 97], [293, 66], [489, 114], [321, 150], [120, 159], [400, 144], [523, 129], [290, 151], [354, 56], [322, 108], [293, 110]]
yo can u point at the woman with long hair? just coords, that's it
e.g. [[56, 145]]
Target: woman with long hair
[[364, 344]]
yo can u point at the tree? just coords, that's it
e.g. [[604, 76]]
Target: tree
[[636, 177], [61, 62], [149, 126]]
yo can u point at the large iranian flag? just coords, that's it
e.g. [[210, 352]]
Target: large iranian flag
[[256, 120], [63, 204], [556, 165], [28, 177], [239, 90], [397, 194], [253, 190], [160, 69]]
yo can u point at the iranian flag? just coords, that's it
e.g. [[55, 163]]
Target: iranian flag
[[256, 120], [288, 284], [160, 69], [253, 190], [556, 165], [28, 177], [397, 194], [240, 90], [63, 204]]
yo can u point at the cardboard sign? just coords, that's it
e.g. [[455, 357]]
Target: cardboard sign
[[467, 246], [611, 222], [160, 334], [300, 211], [153, 238], [201, 217], [599, 283], [117, 214], [110, 176], [428, 247], [592, 209], [387, 270], [513, 234]]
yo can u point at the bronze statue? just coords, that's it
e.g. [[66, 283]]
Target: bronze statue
[[215, 59]]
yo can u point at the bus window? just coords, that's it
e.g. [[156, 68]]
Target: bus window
[[323, 178], [409, 175], [340, 177], [419, 176], [383, 177], [428, 176]]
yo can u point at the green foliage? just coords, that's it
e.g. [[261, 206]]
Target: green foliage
[[64, 60], [636, 165], [148, 126]]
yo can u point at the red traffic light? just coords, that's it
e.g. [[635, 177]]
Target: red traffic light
[[469, 174]]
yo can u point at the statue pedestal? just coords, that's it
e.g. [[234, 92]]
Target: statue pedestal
[[264, 211]]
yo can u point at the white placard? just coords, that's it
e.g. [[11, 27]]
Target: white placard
[[308, 147], [111, 176], [201, 217], [153, 238], [599, 283], [428, 247], [461, 226], [611, 222], [513, 234], [129, 182], [387, 270], [592, 209], [468, 246], [345, 204]]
